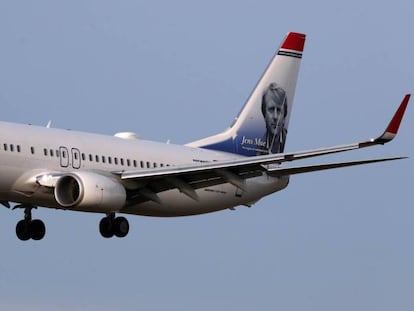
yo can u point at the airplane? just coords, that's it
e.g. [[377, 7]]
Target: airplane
[[123, 174]]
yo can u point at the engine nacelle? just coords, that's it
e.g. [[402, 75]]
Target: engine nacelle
[[89, 192]]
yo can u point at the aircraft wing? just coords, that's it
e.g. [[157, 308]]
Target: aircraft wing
[[144, 184]]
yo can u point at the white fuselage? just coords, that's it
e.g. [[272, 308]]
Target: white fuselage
[[27, 151]]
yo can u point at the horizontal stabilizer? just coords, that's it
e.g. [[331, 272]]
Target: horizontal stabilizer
[[279, 171]]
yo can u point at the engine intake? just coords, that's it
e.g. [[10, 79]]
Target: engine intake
[[90, 192]]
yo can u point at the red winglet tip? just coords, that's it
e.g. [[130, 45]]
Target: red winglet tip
[[396, 120], [294, 41]]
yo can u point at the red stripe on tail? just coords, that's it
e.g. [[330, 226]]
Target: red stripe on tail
[[294, 41]]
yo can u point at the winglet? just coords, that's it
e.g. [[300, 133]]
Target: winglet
[[392, 128]]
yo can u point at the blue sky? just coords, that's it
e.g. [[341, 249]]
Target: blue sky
[[180, 71]]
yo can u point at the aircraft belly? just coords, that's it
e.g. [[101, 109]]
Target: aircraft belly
[[210, 199]]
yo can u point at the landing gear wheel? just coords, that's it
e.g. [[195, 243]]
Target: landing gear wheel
[[34, 229], [23, 230], [121, 227], [106, 227], [37, 229], [27, 228], [111, 225]]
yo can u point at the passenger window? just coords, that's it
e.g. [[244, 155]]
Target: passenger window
[[11, 148], [83, 157], [32, 150], [103, 159], [109, 160], [45, 151], [122, 161], [116, 161], [128, 162], [97, 158], [135, 163], [5, 147], [57, 153], [90, 158], [148, 165], [142, 164], [64, 154], [18, 148], [51, 152]]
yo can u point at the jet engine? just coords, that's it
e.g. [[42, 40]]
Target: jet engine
[[89, 191]]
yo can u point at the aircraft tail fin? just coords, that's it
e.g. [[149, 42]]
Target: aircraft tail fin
[[262, 124]]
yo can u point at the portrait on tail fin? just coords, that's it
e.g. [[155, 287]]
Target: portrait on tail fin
[[274, 110]]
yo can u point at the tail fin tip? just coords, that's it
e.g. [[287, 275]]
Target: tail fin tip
[[294, 41]]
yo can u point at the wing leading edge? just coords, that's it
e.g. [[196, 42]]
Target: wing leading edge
[[147, 183]]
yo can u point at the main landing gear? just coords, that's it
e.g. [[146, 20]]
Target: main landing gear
[[30, 229], [111, 225], [35, 229]]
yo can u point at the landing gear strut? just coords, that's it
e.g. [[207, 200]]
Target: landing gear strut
[[111, 225], [30, 229]]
